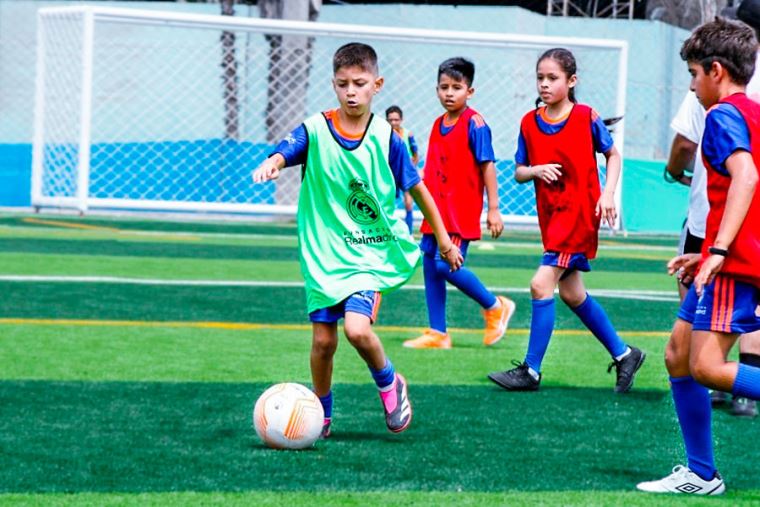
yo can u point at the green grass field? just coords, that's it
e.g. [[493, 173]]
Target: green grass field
[[132, 352]]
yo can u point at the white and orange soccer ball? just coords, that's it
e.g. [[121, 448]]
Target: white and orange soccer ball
[[288, 416]]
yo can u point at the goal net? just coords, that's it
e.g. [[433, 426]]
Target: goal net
[[149, 110]]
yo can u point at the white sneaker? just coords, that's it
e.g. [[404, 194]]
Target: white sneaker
[[683, 480]]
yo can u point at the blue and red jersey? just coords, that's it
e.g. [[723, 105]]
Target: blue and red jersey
[[566, 207], [453, 174], [602, 139], [295, 147], [732, 125]]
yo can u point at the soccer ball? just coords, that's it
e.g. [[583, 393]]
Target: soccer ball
[[288, 416]]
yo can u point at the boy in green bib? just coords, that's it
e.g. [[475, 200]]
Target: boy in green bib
[[352, 247]]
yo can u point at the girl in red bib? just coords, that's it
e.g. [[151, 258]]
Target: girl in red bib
[[557, 150]]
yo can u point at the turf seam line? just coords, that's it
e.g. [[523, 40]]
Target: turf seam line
[[248, 326], [643, 295]]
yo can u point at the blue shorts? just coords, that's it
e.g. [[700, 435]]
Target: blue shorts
[[726, 306], [365, 302], [429, 245], [571, 262]]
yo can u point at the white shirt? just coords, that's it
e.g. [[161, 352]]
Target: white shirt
[[689, 121]]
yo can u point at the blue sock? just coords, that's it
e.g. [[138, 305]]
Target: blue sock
[[466, 281], [326, 401], [541, 327], [384, 377], [595, 319], [692, 402], [435, 293], [747, 382], [409, 220]]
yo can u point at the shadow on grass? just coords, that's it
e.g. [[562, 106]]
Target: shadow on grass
[[142, 437]]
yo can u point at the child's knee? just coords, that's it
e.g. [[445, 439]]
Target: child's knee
[[571, 297], [324, 346], [676, 359], [704, 370], [540, 287], [358, 333]]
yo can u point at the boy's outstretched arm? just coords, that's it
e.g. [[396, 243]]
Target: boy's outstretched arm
[[269, 169], [605, 206], [744, 179], [449, 251], [493, 219]]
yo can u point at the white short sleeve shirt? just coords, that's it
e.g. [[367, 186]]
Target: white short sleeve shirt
[[689, 121]]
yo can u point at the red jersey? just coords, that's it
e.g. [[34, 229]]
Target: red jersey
[[454, 178], [743, 260], [566, 207]]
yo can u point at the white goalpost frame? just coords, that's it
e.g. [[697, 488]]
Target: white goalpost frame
[[92, 14]]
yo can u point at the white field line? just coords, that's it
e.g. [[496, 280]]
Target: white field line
[[643, 295], [294, 237]]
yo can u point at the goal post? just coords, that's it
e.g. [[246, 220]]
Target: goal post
[[133, 107]]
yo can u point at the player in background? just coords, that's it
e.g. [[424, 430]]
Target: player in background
[[352, 248], [721, 303], [458, 167], [689, 124], [395, 116], [556, 150]]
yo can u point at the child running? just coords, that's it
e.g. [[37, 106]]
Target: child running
[[395, 116], [459, 165], [556, 149], [721, 303], [351, 247]]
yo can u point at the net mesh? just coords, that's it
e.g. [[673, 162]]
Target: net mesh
[[184, 114]]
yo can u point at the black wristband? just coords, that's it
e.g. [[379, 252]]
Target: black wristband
[[718, 251], [670, 178]]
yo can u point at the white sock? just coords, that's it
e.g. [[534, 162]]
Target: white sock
[[496, 305], [533, 373], [624, 354]]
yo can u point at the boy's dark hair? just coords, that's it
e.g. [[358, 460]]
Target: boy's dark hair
[[394, 109], [458, 68], [355, 54], [566, 62], [730, 43]]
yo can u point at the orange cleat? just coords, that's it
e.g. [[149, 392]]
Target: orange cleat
[[430, 339], [497, 320]]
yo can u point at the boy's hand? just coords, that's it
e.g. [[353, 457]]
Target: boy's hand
[[547, 172], [494, 223], [452, 256], [707, 272], [605, 207], [684, 266], [267, 171]]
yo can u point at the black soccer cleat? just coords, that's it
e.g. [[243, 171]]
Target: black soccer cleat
[[516, 379], [743, 407], [719, 398], [626, 369]]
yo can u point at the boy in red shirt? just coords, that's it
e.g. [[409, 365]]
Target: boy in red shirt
[[458, 167], [721, 303]]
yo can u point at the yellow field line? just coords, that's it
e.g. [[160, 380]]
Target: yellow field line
[[245, 326], [68, 224]]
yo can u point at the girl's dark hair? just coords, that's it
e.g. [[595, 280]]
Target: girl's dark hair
[[566, 61], [730, 43], [394, 109]]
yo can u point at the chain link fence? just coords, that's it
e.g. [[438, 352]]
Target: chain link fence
[[175, 112], [140, 135]]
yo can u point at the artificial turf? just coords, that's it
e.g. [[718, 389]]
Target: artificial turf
[[144, 395]]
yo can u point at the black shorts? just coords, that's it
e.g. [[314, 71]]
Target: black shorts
[[689, 243]]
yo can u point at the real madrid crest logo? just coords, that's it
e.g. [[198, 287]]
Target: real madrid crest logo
[[362, 207]]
